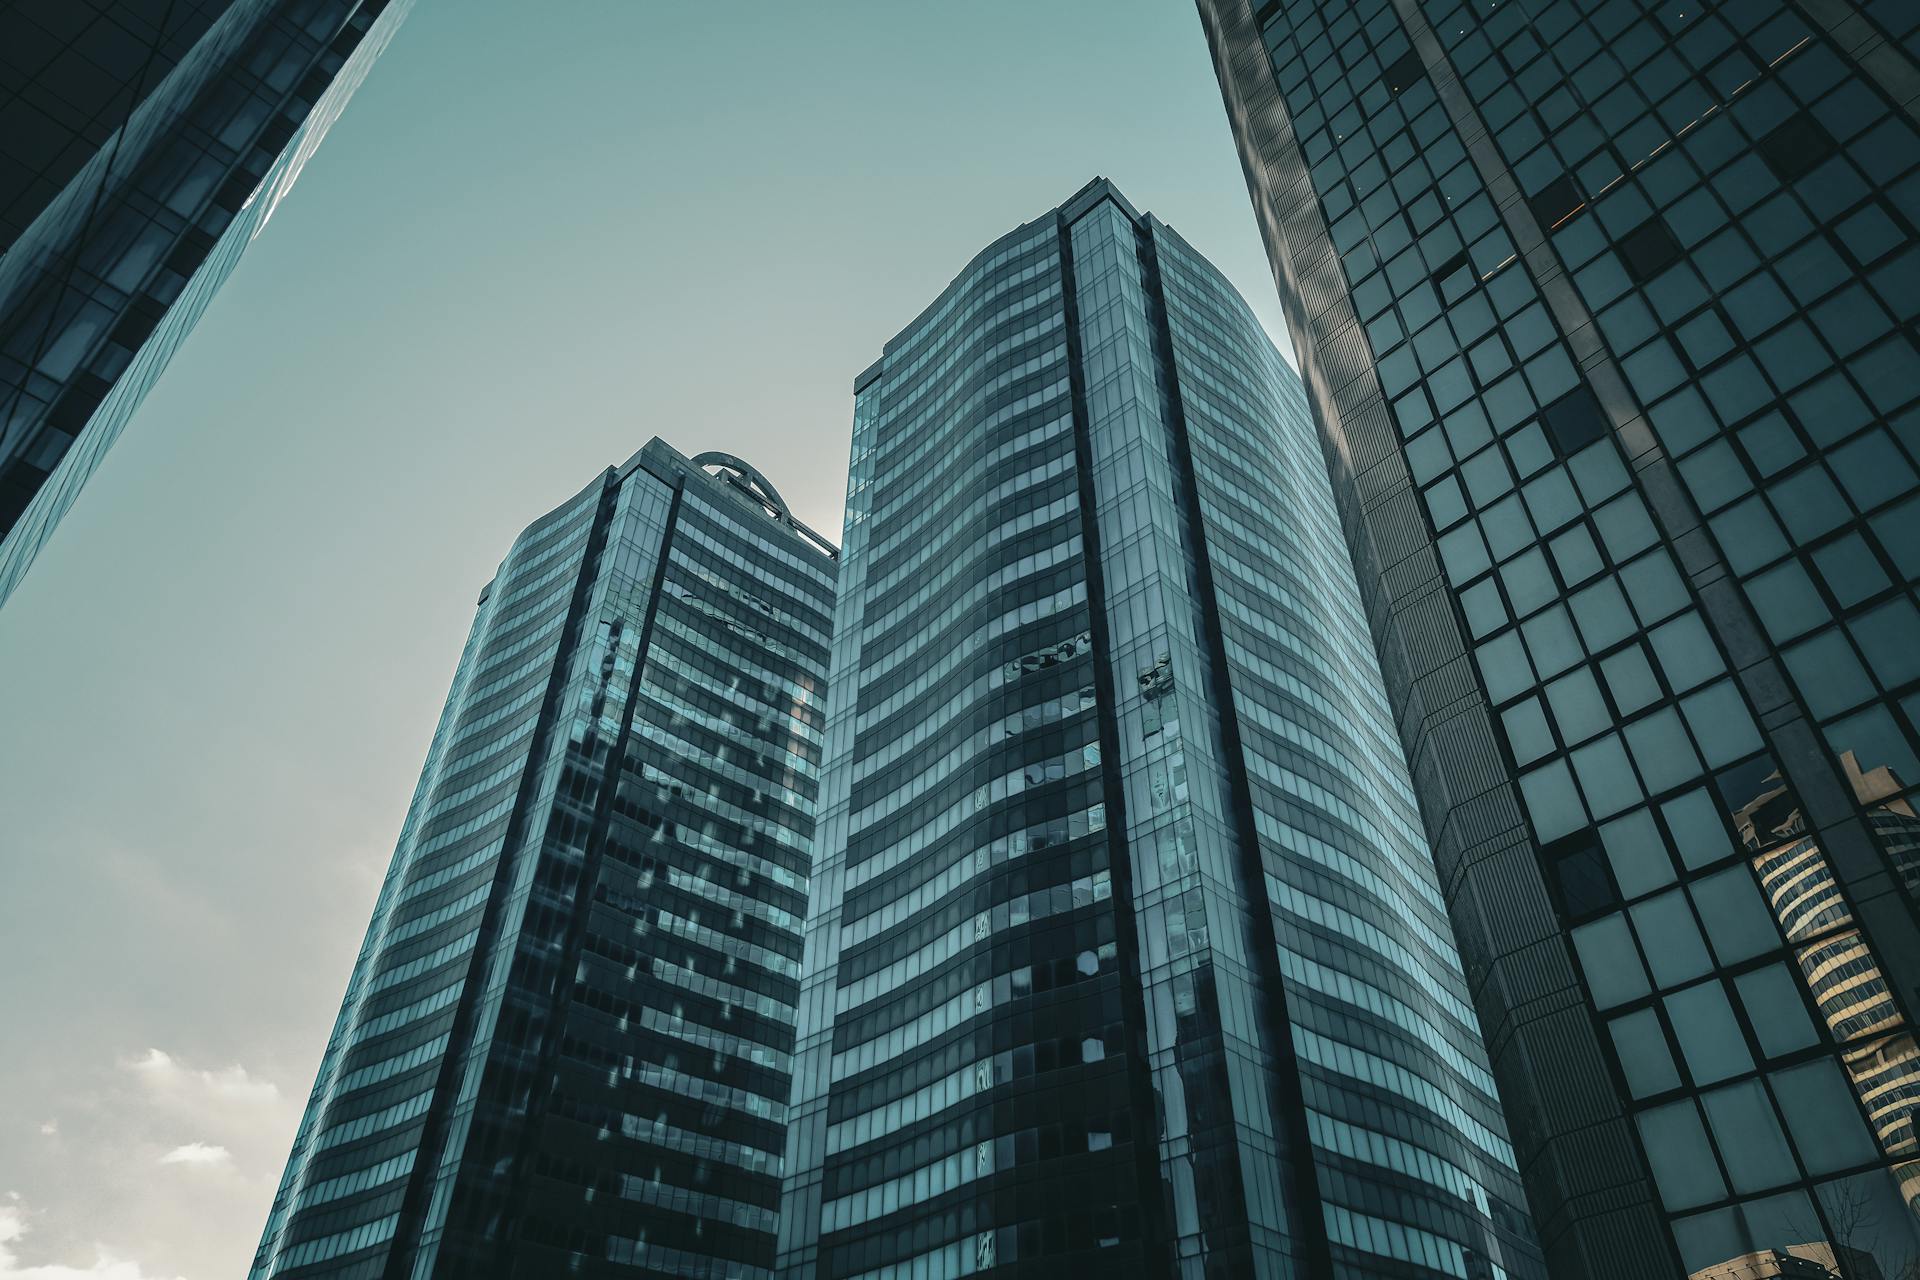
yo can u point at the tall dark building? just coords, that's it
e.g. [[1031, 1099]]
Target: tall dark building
[[1126, 954], [565, 1045], [1607, 310], [143, 143]]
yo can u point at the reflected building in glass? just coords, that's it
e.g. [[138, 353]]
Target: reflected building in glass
[[565, 1045], [1127, 955], [1607, 311], [142, 146]]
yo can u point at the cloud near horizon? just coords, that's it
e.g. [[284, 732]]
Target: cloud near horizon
[[197, 1153], [161, 1071], [106, 1265]]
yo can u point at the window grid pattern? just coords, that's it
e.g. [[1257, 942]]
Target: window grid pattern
[[1365, 948], [1733, 204], [104, 277], [585, 1002], [963, 1098]]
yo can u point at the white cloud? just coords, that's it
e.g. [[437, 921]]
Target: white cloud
[[163, 1072], [197, 1153], [105, 1266], [49, 1127]]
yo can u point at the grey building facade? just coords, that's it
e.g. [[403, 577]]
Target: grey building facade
[[1606, 310], [565, 1045], [142, 146], [1126, 954]]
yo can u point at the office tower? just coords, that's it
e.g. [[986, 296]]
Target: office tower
[[142, 146], [565, 1043], [1607, 313], [1125, 956]]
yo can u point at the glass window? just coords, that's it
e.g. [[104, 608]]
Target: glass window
[[1486, 612], [1637, 853], [1752, 1146], [1715, 477], [1851, 572], [1709, 1240], [1578, 708], [1602, 614], [1606, 777], [1875, 740], [1631, 681], [1662, 750], [1827, 674], [1736, 918], [1552, 802], [1872, 470], [1720, 723], [1890, 637], [1686, 652], [1506, 527], [1551, 499], [1771, 997], [1709, 1035], [1625, 526], [1808, 503], [1576, 556], [1551, 641], [1681, 1158], [1528, 581], [1670, 939], [1873, 1213], [1654, 587], [1503, 665], [1822, 1116], [1786, 601], [1527, 732], [1748, 536], [1698, 833], [1771, 445], [1609, 961], [1644, 1056]]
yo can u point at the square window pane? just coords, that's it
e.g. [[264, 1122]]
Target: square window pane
[[1822, 1116], [1752, 1147], [1698, 833], [1644, 1056], [1670, 939], [1610, 962], [1637, 853], [1771, 997], [1736, 917], [1709, 1035], [1682, 1160]]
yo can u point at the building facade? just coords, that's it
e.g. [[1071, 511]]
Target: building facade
[[1607, 310], [565, 1045], [1126, 954], [142, 146]]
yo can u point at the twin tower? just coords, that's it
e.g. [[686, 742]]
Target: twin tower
[[1032, 885]]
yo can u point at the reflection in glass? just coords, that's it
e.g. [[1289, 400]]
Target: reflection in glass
[[1871, 1230]]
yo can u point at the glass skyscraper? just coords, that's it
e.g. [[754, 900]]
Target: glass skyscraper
[[1126, 953], [142, 146], [1607, 311], [566, 1042]]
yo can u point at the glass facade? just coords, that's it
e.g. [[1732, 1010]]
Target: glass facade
[[566, 1042], [1607, 310], [142, 146], [1126, 953]]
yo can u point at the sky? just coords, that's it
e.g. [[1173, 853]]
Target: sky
[[540, 234]]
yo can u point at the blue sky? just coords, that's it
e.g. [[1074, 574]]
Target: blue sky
[[540, 234]]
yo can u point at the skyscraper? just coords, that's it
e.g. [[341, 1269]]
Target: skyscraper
[[566, 1040], [1126, 955], [1607, 313], [142, 146]]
